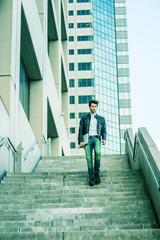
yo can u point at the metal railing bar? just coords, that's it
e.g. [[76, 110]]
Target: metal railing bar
[[31, 148], [37, 164], [2, 141], [12, 145], [3, 175], [7, 139], [154, 176]]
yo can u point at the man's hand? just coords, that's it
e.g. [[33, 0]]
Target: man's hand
[[103, 142], [81, 144]]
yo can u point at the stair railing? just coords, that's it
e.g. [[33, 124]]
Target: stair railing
[[144, 155], [133, 154], [10, 146], [18, 154], [137, 141], [33, 146]]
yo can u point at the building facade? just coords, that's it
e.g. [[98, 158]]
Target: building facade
[[99, 68], [33, 78]]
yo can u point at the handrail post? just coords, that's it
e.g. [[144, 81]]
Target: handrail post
[[45, 149], [14, 162], [49, 147], [19, 159]]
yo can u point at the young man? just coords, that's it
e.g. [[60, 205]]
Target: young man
[[95, 126]]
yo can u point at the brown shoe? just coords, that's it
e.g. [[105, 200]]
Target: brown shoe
[[97, 178], [91, 182]]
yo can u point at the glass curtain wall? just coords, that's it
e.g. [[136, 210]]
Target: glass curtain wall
[[106, 87]]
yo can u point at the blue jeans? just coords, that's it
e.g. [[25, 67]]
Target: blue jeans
[[93, 143]]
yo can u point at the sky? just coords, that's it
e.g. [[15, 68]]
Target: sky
[[143, 18]]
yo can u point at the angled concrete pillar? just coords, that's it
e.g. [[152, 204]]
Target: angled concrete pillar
[[19, 159], [55, 147], [47, 148]]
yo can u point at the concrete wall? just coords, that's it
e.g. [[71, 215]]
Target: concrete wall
[[4, 130], [138, 160], [24, 36]]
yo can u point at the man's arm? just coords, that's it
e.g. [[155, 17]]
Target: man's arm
[[103, 131], [80, 136]]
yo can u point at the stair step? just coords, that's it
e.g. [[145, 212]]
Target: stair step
[[77, 222], [46, 198], [122, 172], [90, 192], [78, 177], [78, 228], [46, 212], [28, 216], [42, 185], [116, 235], [94, 235], [72, 189], [56, 202], [82, 201], [74, 204], [72, 184]]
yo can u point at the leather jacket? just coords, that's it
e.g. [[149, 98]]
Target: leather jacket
[[84, 127]]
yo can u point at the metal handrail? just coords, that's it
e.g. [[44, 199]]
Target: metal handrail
[[11, 146], [36, 142], [148, 162], [7, 139], [3, 175]]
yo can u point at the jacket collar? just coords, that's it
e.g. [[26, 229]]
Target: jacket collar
[[89, 115]]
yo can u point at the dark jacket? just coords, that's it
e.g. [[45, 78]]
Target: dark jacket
[[84, 126]]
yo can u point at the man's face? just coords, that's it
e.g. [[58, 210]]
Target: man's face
[[93, 108]]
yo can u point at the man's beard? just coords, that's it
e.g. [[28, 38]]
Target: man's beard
[[93, 111]]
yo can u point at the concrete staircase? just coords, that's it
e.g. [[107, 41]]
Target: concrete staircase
[[56, 202]]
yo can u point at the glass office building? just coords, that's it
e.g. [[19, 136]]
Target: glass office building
[[101, 67], [105, 61]]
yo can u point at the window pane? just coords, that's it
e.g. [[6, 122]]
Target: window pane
[[85, 51], [24, 89], [72, 115], [71, 82], [84, 25], [85, 38], [70, 1], [72, 130], [72, 145], [71, 66], [71, 38], [84, 12], [71, 51], [71, 25], [85, 99], [71, 13], [72, 99], [88, 82], [79, 1], [84, 66]]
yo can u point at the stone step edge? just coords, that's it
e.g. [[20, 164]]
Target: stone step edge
[[122, 171], [83, 156], [81, 228], [117, 234]]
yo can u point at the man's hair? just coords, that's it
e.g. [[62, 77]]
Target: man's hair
[[93, 101]]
